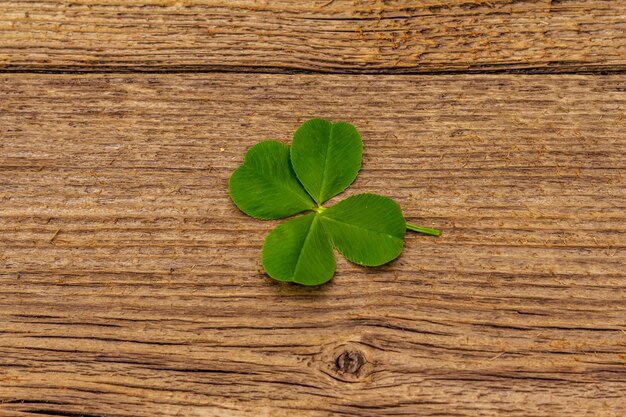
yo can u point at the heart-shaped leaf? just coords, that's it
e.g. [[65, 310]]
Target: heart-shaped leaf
[[299, 251], [265, 186], [367, 229], [326, 157]]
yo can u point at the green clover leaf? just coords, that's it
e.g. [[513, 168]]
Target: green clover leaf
[[275, 181], [265, 186], [326, 157], [367, 229]]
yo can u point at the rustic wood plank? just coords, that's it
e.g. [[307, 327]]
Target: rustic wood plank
[[322, 35], [131, 285]]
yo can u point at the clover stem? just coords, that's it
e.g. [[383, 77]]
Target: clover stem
[[422, 229], [319, 209]]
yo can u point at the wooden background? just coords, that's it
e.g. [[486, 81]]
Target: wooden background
[[130, 285]]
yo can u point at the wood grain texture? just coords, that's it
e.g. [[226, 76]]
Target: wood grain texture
[[130, 285], [326, 36]]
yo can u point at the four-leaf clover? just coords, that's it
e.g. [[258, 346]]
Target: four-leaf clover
[[276, 181]]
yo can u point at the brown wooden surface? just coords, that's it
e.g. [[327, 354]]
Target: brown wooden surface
[[132, 286], [322, 35]]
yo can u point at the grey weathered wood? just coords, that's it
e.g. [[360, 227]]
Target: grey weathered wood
[[131, 285]]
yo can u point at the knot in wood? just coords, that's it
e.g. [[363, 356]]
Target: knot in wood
[[350, 362]]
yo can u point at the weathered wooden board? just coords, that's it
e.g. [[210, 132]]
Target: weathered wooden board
[[131, 285], [322, 35]]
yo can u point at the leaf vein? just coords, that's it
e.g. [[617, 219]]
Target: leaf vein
[[306, 238], [325, 168], [362, 228], [282, 185]]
